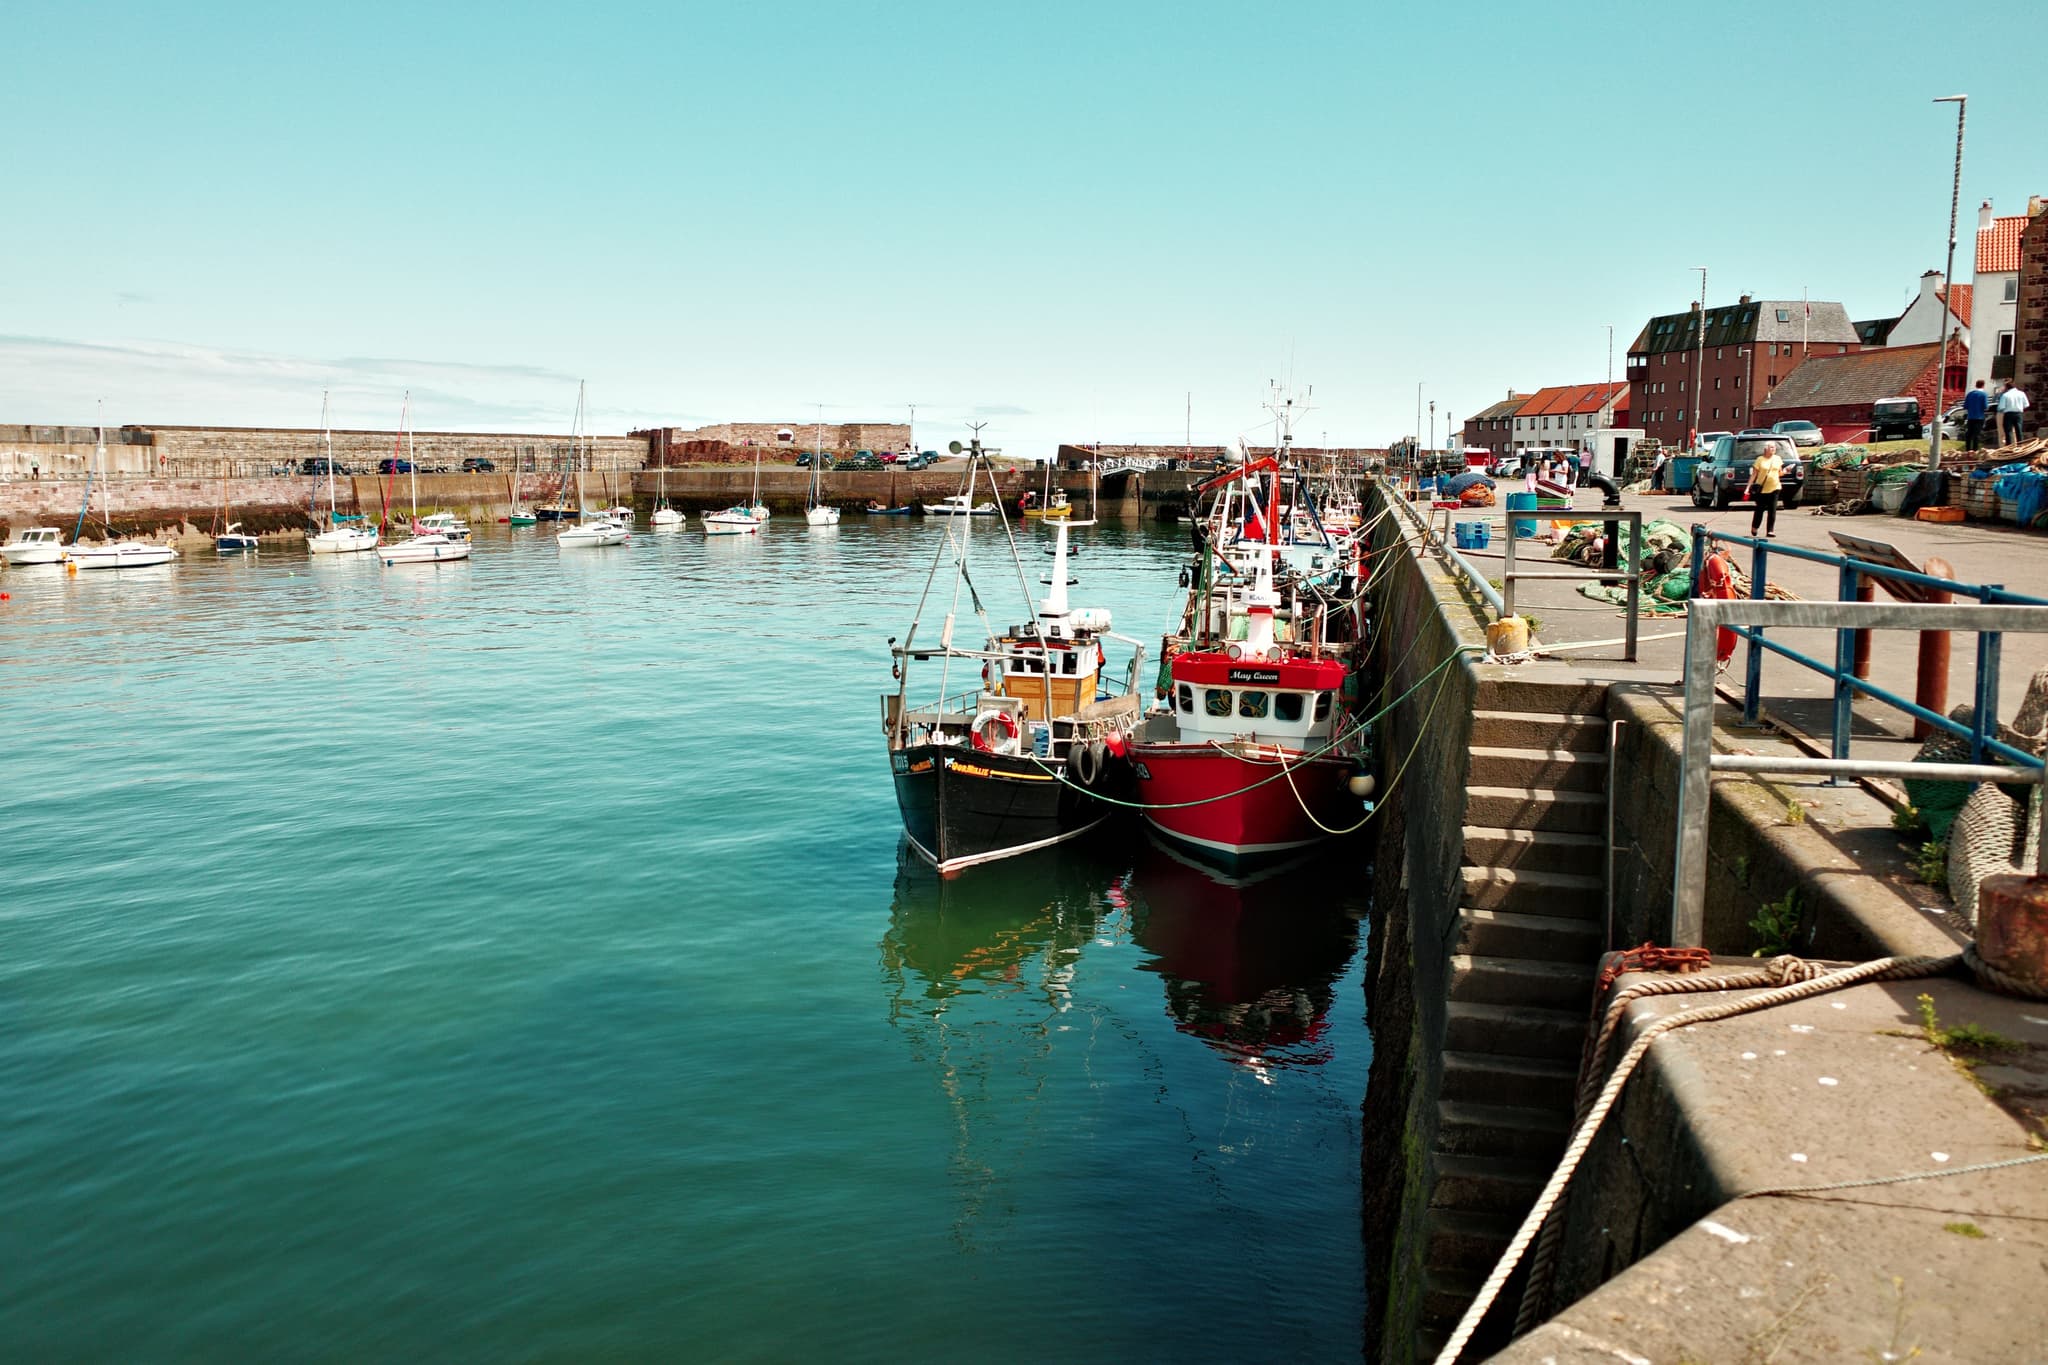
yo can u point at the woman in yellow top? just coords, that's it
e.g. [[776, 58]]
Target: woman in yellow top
[[1765, 478]]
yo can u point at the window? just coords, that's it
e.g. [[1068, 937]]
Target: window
[[1322, 706], [1187, 699], [1717, 414], [1216, 701], [1841, 350], [1681, 386], [1287, 706], [1720, 353], [1072, 660], [1251, 705], [1737, 414], [1717, 381], [2012, 289], [2004, 343], [1738, 381], [1663, 360], [1784, 315], [1681, 414]]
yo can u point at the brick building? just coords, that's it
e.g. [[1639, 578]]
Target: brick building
[[1743, 351], [1835, 392], [1492, 428], [2030, 325]]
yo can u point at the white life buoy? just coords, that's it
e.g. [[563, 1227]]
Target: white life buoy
[[984, 734]]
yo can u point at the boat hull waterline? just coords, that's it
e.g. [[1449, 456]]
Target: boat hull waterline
[[1231, 822], [124, 555], [961, 806]]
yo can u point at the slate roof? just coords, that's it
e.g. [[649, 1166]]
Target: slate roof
[[1506, 407], [1742, 324], [1998, 250], [1829, 381]]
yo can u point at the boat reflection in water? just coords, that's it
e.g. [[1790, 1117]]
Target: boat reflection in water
[[1250, 963]]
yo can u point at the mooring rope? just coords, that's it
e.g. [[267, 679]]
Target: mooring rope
[[1881, 969]]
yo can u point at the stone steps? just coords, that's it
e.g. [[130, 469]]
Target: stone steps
[[1491, 1078], [1538, 938], [1500, 1187], [1468, 1245], [1573, 700], [1499, 849], [1515, 1031], [1555, 769], [1566, 895], [1520, 982], [1559, 812], [1501, 1130], [1520, 730]]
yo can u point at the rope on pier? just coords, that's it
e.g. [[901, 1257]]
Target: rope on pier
[[1881, 969]]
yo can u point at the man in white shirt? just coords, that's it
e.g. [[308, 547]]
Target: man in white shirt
[[2011, 405]]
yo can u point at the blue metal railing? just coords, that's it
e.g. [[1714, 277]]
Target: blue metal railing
[[1842, 671]]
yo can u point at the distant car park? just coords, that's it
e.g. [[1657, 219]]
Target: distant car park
[[477, 464], [317, 464]]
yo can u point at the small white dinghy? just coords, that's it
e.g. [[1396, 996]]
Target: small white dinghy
[[36, 545], [597, 531], [120, 554], [665, 516]]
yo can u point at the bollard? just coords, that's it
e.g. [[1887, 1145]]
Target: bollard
[[1866, 591], [2012, 927], [1930, 687]]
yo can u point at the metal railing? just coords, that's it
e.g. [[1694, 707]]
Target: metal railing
[[1842, 671], [1706, 615], [1611, 568], [1475, 579]]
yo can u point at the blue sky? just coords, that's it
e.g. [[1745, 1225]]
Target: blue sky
[[1058, 218]]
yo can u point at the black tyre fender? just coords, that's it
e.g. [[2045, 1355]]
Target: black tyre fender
[[1085, 763]]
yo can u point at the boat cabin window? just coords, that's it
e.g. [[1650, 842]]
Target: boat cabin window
[[1322, 706], [1072, 660], [1287, 706], [1216, 701], [1187, 699], [1251, 705]]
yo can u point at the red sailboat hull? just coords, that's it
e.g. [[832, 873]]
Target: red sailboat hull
[[1241, 813]]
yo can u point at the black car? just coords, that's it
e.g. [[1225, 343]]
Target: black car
[[1723, 475], [1896, 419], [394, 465], [803, 460], [477, 464], [317, 464]]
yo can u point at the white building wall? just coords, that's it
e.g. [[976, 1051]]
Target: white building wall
[[1990, 314], [1926, 319]]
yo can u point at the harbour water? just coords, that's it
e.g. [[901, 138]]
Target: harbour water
[[515, 959]]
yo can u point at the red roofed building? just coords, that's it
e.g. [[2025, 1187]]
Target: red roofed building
[[1567, 415], [1998, 289], [1492, 428], [1835, 392]]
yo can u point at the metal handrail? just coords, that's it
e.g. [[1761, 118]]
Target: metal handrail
[[1847, 684], [1612, 518], [1465, 567], [1706, 615]]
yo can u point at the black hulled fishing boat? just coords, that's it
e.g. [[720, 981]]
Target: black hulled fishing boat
[[1024, 736]]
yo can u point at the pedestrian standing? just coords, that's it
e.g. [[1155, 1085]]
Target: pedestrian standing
[[1976, 404], [1657, 473], [2012, 407], [1765, 478]]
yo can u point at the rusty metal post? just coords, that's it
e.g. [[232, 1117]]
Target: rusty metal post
[[1930, 687], [1866, 591]]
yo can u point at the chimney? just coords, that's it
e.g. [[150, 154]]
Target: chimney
[[1744, 299], [1930, 284], [1984, 217], [1694, 307]]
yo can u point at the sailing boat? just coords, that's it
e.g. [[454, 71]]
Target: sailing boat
[[337, 538], [1016, 761], [112, 554], [739, 521], [815, 510], [232, 539], [434, 538], [591, 528], [664, 515]]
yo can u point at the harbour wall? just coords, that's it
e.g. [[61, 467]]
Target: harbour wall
[[194, 452], [1492, 882]]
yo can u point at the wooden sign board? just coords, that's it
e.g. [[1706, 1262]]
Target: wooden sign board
[[1891, 557]]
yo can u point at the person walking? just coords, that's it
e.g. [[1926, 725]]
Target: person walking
[[1765, 478], [2012, 407], [1976, 403]]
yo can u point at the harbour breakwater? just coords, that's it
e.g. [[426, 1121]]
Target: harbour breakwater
[[183, 509]]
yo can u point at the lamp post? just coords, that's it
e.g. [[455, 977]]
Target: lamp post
[[1699, 362], [1418, 422], [1432, 426], [1962, 104]]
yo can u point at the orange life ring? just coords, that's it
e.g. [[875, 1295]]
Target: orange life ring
[[979, 737]]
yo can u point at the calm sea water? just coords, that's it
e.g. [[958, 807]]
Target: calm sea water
[[516, 959]]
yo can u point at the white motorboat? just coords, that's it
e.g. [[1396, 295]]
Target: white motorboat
[[622, 514], [603, 530], [822, 515], [342, 540], [957, 506], [441, 524], [733, 521], [36, 545], [427, 549], [120, 554], [665, 516]]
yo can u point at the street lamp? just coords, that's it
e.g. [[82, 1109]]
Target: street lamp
[[1432, 426], [1418, 421], [1699, 362], [1948, 272]]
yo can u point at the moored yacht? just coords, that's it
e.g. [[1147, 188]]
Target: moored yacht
[[36, 545]]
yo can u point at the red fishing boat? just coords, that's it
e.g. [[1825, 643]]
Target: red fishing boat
[[1252, 749]]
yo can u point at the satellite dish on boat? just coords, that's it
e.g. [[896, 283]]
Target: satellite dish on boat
[[953, 446]]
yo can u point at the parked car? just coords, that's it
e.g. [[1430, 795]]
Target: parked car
[[1722, 475], [394, 465], [1952, 427], [1802, 433], [477, 464], [923, 461], [1707, 439], [317, 464], [804, 458], [1896, 419]]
